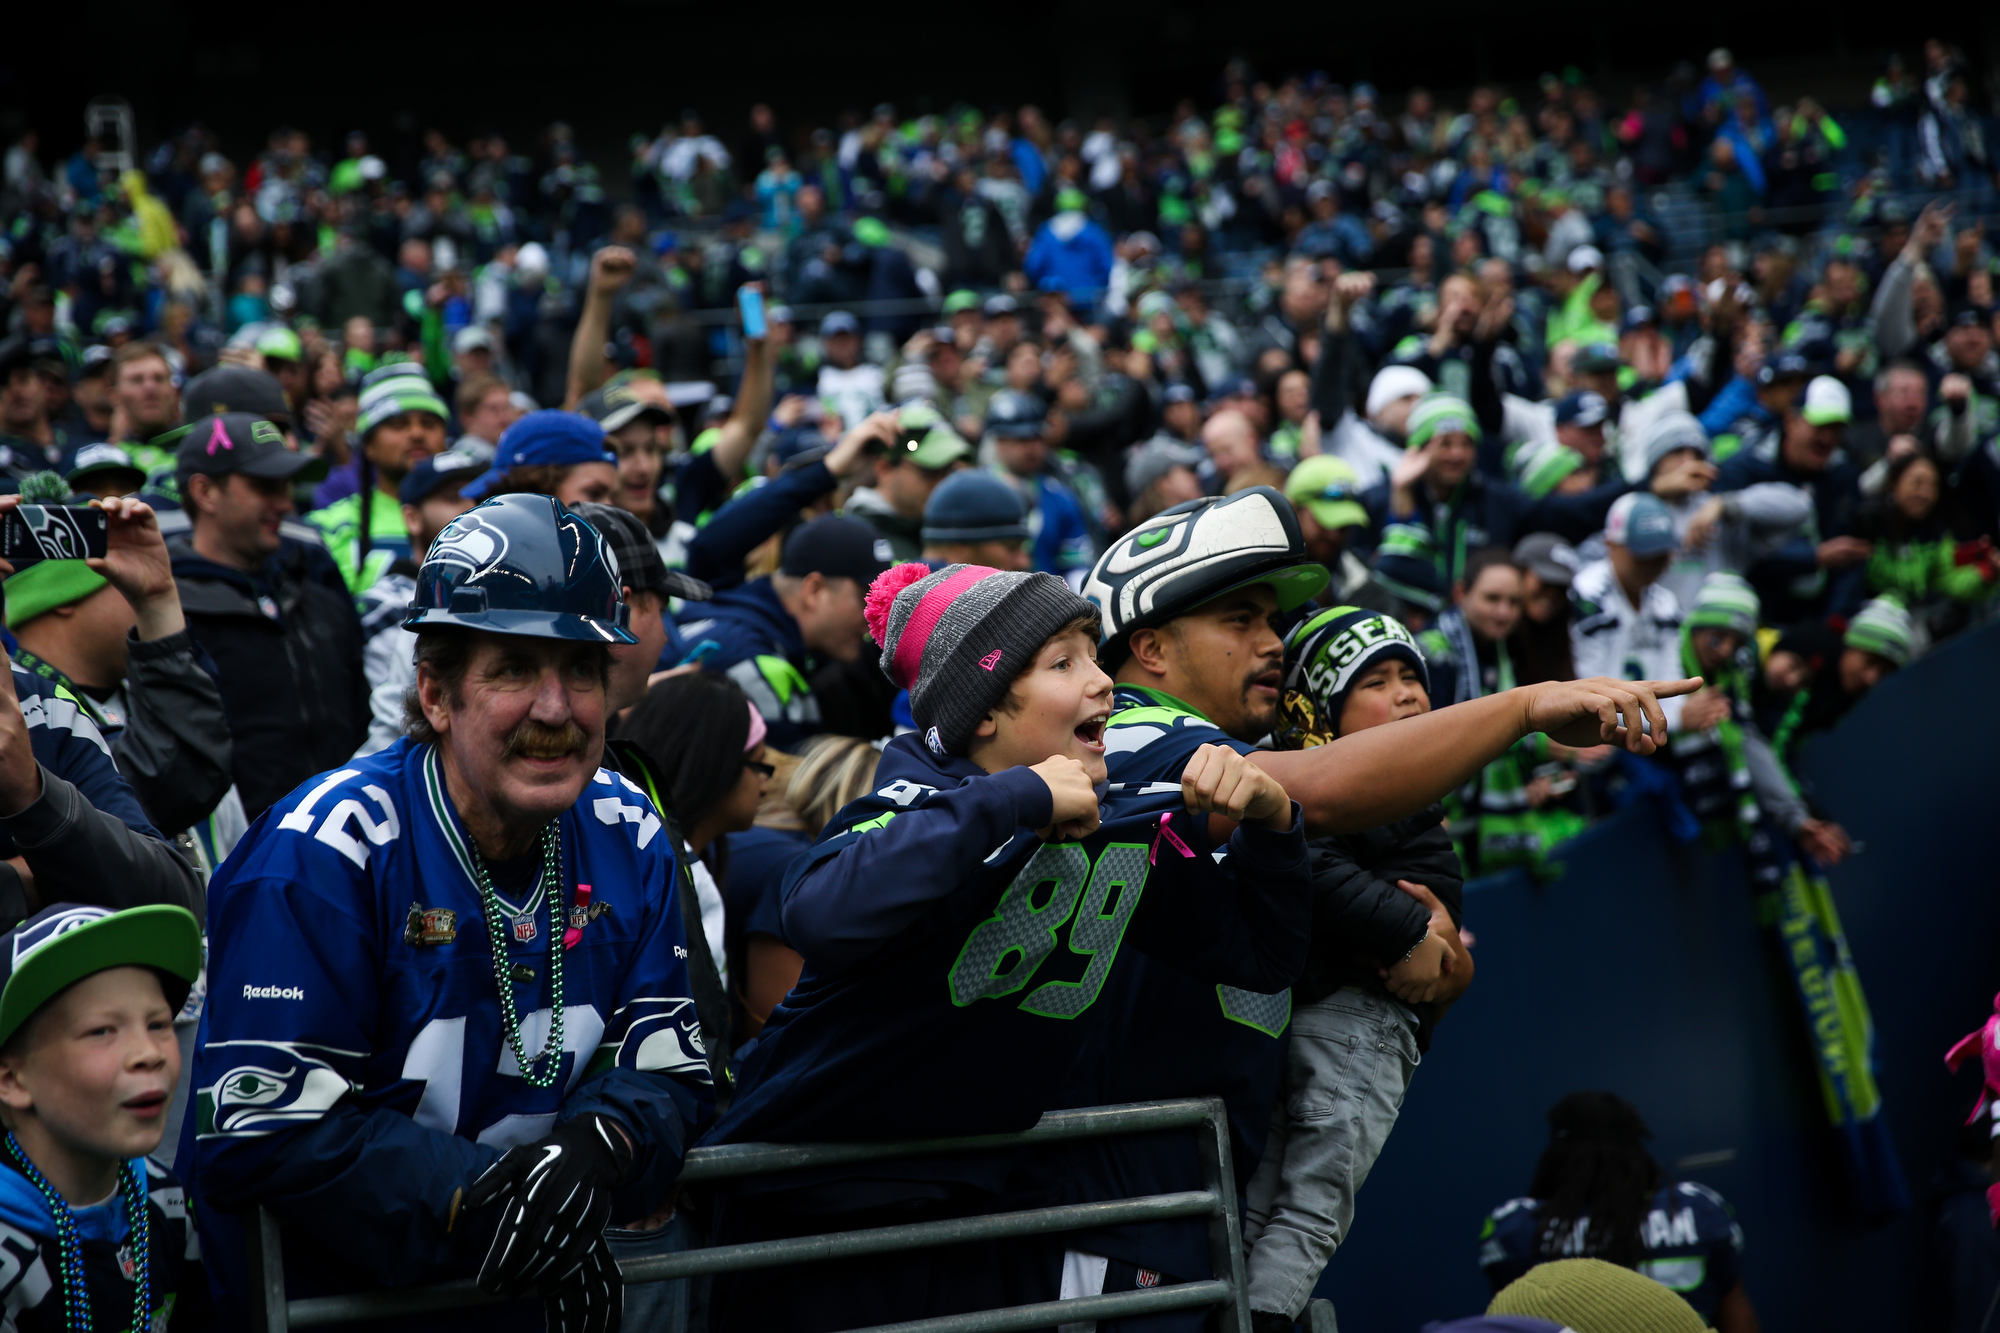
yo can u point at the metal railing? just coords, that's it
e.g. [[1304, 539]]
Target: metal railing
[[274, 1312]]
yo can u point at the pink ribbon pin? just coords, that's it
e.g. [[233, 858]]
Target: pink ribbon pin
[[218, 438], [1153, 854]]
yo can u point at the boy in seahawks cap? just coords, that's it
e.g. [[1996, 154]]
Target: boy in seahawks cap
[[88, 1063], [1382, 963]]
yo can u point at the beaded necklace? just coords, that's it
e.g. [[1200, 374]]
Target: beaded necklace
[[69, 1245], [503, 976]]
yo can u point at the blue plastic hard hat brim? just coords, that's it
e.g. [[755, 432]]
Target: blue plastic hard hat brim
[[530, 624]]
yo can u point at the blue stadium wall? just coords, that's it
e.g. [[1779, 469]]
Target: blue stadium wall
[[1643, 971]]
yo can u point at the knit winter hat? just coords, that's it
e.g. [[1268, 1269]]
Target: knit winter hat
[[1406, 564], [1592, 1296], [1881, 627], [1324, 656], [1670, 431], [956, 638], [393, 397], [1441, 412], [1543, 468], [47, 584], [1725, 601]]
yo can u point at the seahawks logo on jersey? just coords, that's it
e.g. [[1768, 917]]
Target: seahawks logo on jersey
[[268, 1085]]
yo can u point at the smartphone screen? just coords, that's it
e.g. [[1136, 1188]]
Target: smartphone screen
[[33, 533], [751, 302]]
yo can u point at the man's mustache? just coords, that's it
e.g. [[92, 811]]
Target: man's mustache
[[538, 740]]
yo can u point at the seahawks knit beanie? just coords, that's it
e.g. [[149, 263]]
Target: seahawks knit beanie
[[1440, 413], [1324, 656], [1725, 601], [1592, 1296], [1406, 565], [1670, 432], [956, 638], [394, 395], [1881, 627], [1541, 469]]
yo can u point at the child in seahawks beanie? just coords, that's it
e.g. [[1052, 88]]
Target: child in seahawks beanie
[[957, 637], [1379, 961]]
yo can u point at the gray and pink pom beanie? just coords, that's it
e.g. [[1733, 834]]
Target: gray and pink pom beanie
[[956, 638]]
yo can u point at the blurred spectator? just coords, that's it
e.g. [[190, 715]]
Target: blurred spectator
[[1598, 1194]]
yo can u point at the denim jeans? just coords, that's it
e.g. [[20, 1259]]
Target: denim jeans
[[655, 1307], [1348, 1065]]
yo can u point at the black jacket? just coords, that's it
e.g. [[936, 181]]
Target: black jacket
[[1361, 920], [287, 645]]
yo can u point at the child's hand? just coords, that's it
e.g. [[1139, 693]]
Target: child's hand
[[1074, 795], [1454, 968], [1218, 780], [1419, 977]]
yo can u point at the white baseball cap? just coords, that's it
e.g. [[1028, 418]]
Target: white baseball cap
[[1585, 258], [1393, 382], [1827, 402]]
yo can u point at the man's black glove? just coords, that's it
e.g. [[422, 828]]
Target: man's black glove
[[558, 1192], [592, 1299]]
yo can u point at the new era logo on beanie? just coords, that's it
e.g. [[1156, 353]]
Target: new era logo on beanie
[[956, 638]]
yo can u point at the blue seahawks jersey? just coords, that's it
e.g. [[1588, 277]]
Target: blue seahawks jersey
[[68, 744], [352, 1072], [1168, 1034], [1691, 1239], [955, 963], [31, 1285]]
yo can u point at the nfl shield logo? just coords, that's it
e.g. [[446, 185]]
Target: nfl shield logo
[[1147, 1278], [127, 1265], [524, 929]]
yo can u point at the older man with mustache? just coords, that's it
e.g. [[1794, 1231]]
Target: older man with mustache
[[452, 974]]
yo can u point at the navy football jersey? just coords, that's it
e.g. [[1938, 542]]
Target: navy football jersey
[[955, 963], [1692, 1242]]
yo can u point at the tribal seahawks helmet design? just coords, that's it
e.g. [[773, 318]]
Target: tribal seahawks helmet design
[[522, 564], [1195, 552]]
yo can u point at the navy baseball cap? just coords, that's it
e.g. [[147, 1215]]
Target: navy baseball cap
[[1596, 359], [974, 506], [548, 438], [64, 943], [1784, 366], [1581, 408], [839, 548], [446, 471], [1013, 415]]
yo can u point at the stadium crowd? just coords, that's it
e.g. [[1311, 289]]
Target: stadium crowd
[[565, 674]]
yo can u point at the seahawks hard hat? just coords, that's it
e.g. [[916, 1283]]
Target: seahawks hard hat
[[1196, 551], [522, 564]]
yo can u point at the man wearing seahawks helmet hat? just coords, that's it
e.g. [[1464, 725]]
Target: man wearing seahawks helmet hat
[[1189, 602], [452, 973]]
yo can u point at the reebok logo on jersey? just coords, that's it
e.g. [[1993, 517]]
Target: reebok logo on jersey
[[680, 952], [273, 993]]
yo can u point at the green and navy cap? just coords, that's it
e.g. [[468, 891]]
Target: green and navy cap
[[1881, 627], [40, 588], [925, 438], [395, 395], [1324, 656], [1725, 601], [1543, 468], [279, 343], [61, 945], [1440, 413], [1328, 488], [962, 299]]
